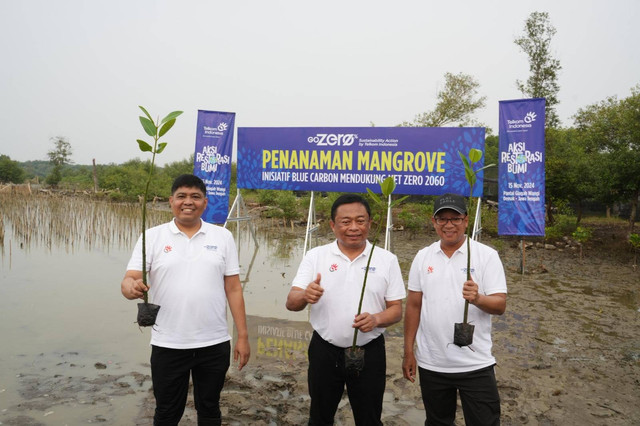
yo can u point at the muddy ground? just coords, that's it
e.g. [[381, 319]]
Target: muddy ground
[[568, 351]]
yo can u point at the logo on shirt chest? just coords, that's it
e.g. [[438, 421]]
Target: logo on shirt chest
[[167, 248], [372, 269], [211, 248], [429, 269], [333, 267]]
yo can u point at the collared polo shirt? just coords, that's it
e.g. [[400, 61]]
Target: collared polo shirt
[[186, 278], [332, 317], [440, 279]]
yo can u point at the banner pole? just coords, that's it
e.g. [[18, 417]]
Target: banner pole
[[241, 215], [389, 225], [477, 225], [309, 220]]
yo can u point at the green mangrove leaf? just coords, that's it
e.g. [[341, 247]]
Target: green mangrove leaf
[[471, 178], [166, 127], [171, 116], [373, 196], [475, 155], [145, 112], [388, 186], [485, 167], [144, 147], [148, 126], [465, 161], [161, 147], [398, 201], [469, 174]]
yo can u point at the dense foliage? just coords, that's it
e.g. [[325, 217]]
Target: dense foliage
[[10, 171]]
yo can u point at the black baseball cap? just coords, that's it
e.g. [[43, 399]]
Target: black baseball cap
[[450, 201]]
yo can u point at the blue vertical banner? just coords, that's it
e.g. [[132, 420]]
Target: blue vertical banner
[[212, 161], [521, 175]]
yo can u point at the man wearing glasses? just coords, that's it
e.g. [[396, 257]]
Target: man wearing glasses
[[438, 288]]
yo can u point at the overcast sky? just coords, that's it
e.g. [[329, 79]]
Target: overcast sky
[[79, 69]]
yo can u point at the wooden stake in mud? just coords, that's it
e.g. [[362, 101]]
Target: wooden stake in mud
[[523, 257]]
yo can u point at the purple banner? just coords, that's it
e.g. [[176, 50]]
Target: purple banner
[[212, 161], [521, 175], [422, 160]]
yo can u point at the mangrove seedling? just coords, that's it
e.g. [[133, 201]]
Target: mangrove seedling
[[147, 312], [463, 332], [581, 235], [354, 355], [634, 240]]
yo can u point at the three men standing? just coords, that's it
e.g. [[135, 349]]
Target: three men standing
[[193, 270]]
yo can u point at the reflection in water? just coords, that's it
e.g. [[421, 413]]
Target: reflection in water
[[277, 339]]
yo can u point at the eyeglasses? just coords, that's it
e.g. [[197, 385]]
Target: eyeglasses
[[441, 221]]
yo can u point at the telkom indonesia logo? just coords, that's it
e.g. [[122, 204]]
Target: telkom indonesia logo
[[530, 117], [222, 127], [332, 139]]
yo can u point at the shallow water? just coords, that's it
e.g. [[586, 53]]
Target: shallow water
[[70, 351]]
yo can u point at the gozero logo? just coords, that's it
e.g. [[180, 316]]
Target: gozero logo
[[323, 139]]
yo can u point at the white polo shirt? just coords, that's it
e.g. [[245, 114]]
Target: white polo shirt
[[440, 279], [332, 317], [186, 278]]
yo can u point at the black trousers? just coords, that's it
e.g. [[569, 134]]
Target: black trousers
[[170, 370], [327, 378], [478, 394]]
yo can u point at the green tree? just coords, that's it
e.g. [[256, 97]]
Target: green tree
[[128, 178], [59, 156], [457, 102], [10, 171], [571, 173], [177, 168], [38, 169], [490, 180], [544, 68], [611, 130]]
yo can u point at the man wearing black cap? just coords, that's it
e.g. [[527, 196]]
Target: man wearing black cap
[[438, 288]]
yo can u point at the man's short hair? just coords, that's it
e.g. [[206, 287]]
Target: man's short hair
[[348, 199], [188, 181]]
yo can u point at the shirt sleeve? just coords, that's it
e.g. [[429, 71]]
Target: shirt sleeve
[[415, 282], [306, 270], [493, 280], [396, 290], [232, 266]]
